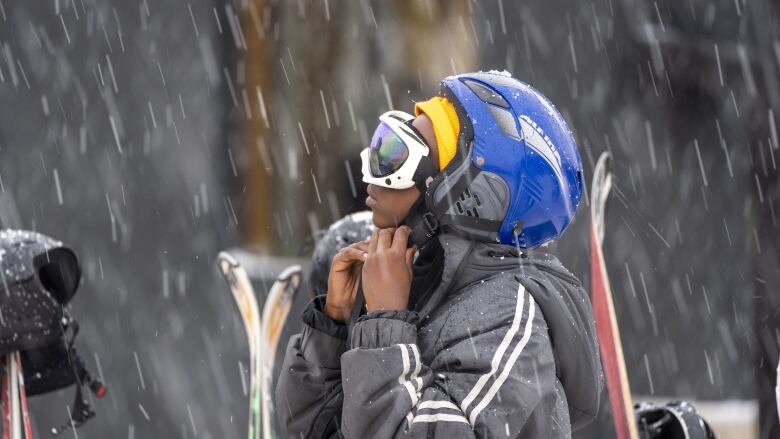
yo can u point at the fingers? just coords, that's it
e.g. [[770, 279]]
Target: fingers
[[385, 238], [354, 254], [401, 238], [373, 242], [362, 245], [357, 274], [347, 257]]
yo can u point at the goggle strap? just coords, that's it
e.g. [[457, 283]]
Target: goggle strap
[[483, 224], [425, 169], [422, 223], [425, 222], [416, 133]]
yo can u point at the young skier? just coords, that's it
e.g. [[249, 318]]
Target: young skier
[[482, 335]]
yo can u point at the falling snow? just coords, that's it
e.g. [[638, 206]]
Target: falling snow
[[149, 136]]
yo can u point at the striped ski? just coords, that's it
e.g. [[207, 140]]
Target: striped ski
[[263, 332], [244, 295], [275, 310]]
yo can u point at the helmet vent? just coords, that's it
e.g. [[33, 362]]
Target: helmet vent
[[467, 203], [486, 94], [473, 212]]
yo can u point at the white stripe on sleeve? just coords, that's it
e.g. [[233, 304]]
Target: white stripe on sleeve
[[405, 361], [499, 352], [508, 366], [412, 392], [402, 378], [439, 417]]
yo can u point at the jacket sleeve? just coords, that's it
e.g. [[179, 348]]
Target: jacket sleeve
[[308, 393], [492, 374]]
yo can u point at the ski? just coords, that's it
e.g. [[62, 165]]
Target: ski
[[275, 310], [245, 298], [16, 419], [6, 399], [263, 332], [777, 389], [606, 322], [25, 409], [16, 431]]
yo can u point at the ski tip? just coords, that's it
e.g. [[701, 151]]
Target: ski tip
[[225, 259], [604, 163], [600, 188], [602, 179], [292, 274]]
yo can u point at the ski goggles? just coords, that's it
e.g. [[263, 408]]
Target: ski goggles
[[394, 153]]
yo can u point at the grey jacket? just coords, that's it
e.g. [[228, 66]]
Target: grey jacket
[[505, 346]]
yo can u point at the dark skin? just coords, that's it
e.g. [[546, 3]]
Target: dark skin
[[383, 262]]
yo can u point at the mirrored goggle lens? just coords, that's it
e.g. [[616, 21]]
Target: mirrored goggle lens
[[387, 152]]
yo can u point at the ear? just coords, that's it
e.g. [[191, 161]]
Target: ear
[[59, 272]]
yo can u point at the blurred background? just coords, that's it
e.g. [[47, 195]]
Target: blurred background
[[150, 135]]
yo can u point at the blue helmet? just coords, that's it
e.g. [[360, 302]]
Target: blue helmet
[[517, 176]]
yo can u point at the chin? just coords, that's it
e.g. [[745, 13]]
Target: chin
[[381, 222], [378, 222]]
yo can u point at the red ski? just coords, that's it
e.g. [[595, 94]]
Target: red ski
[[16, 418], [606, 322]]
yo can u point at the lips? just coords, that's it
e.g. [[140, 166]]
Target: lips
[[370, 201]]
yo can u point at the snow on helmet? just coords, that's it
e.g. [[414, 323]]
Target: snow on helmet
[[516, 177], [352, 228]]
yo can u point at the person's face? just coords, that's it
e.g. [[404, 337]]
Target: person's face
[[390, 206]]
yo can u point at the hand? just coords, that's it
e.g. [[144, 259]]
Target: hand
[[387, 272], [343, 280]]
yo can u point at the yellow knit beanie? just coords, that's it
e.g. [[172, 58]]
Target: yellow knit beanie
[[446, 126]]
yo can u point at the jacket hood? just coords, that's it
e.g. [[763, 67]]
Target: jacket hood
[[565, 304]]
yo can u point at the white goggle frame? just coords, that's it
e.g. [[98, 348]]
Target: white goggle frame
[[403, 178]]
